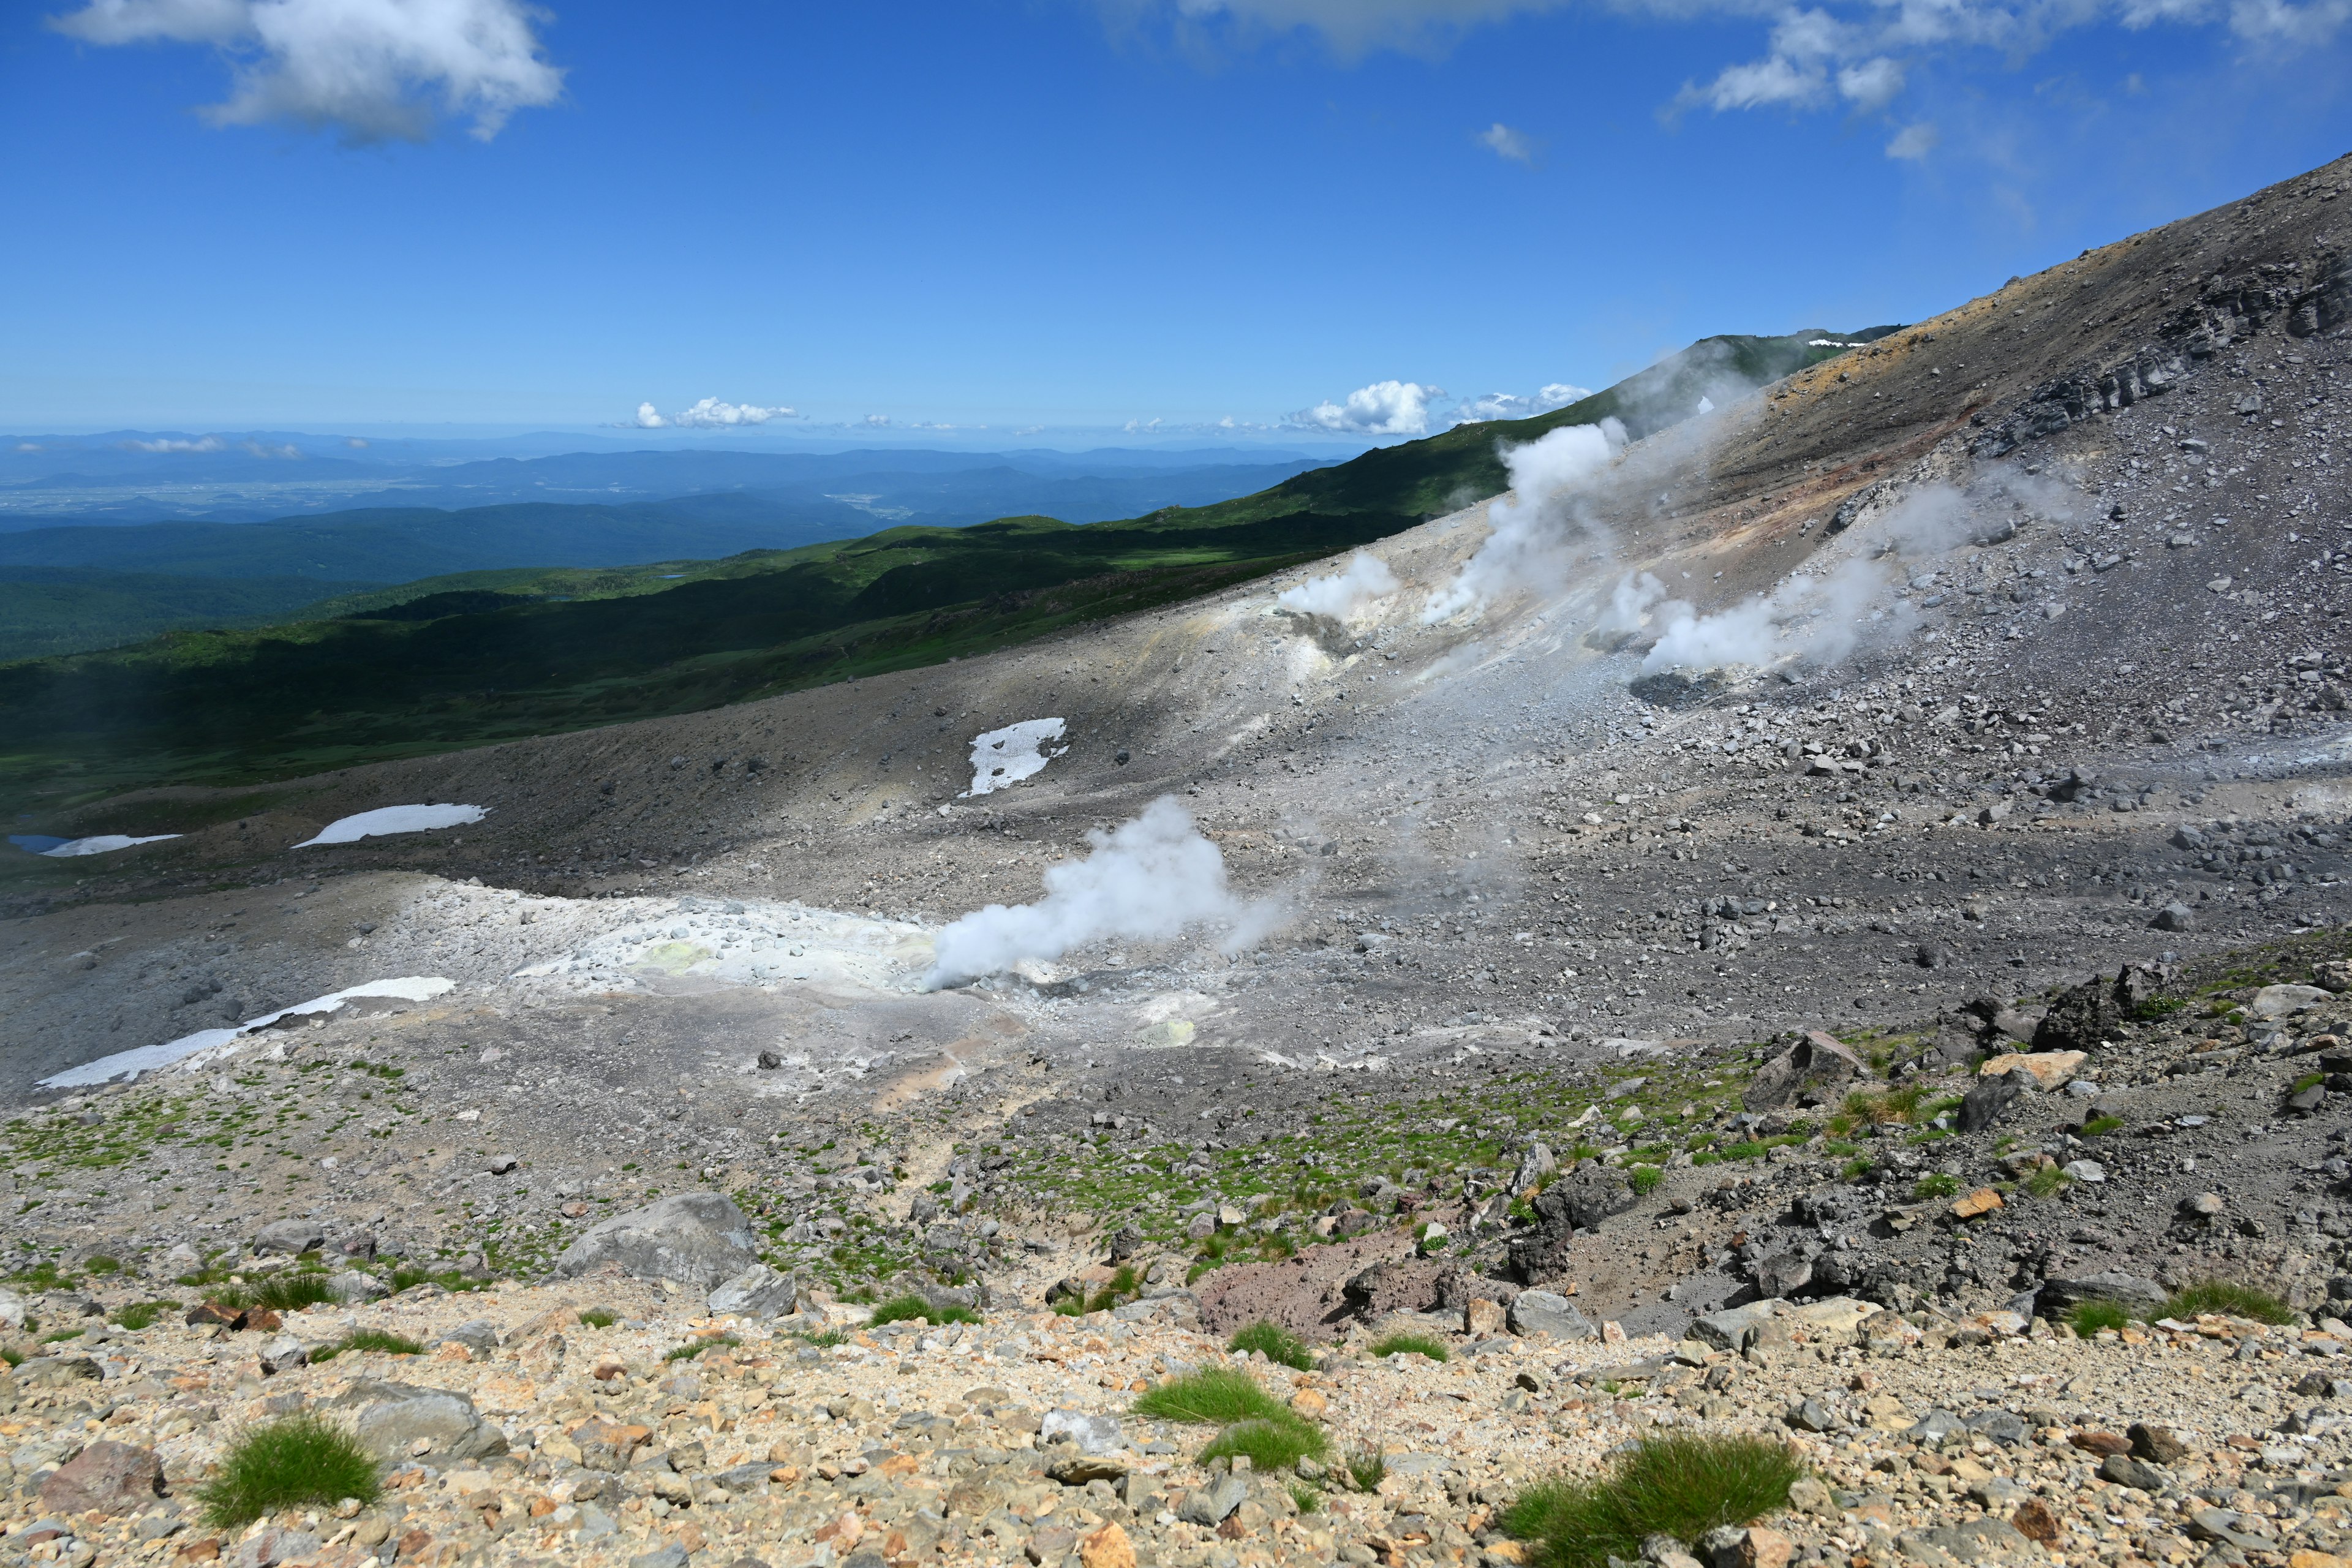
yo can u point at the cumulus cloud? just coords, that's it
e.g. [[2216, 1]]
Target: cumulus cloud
[[171, 444], [1511, 406], [1914, 142], [1533, 525], [710, 414], [1383, 409], [1505, 142], [376, 70], [878, 419], [355, 441], [266, 449], [1870, 84], [1150, 880], [1342, 593]]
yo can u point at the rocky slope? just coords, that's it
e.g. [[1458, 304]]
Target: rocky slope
[[1675, 980]]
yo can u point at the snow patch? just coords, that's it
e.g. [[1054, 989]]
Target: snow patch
[[207, 1044], [395, 819], [1007, 756], [101, 844]]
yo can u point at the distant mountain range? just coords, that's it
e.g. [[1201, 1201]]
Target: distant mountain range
[[491, 655]]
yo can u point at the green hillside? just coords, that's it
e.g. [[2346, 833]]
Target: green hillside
[[497, 655], [64, 609]]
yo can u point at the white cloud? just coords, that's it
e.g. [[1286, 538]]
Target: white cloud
[[1383, 409], [264, 449], [372, 69], [1872, 84], [1914, 142], [1505, 142], [30, 446], [167, 443], [355, 441], [878, 419], [1511, 406], [709, 415], [1352, 28]]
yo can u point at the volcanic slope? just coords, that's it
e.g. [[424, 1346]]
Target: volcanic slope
[[2062, 688]]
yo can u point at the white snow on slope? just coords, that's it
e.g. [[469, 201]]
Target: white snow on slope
[[101, 844], [395, 819], [205, 1045], [1007, 756]]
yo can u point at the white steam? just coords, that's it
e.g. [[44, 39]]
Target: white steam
[[1820, 617], [1150, 880], [1342, 593], [1530, 527]]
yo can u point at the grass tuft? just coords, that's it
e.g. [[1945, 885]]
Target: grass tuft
[[2045, 1181], [2090, 1317], [912, 1308], [689, 1352], [1645, 1179], [2101, 1124], [2226, 1298], [384, 1343], [600, 1318], [301, 1461], [825, 1338], [1367, 1468], [1269, 1445], [1681, 1487], [139, 1315], [1213, 1396], [1409, 1344], [291, 1292], [1278, 1344]]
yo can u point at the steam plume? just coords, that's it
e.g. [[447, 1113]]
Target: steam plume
[[1531, 525], [1342, 593], [1149, 879]]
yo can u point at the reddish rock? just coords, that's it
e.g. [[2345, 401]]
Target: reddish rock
[[105, 1478]]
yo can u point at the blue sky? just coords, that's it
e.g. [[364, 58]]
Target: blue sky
[[1057, 217]]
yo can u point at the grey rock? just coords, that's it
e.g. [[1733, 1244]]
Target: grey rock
[[2081, 1019], [701, 1238], [1548, 1314], [1783, 1274], [291, 1237], [2221, 1524], [1208, 1505], [476, 1335], [758, 1291], [56, 1372], [1095, 1434], [1810, 1415], [1593, 1193], [2060, 1295], [2000, 1425], [351, 1285], [2175, 917], [1938, 1427], [389, 1418], [1993, 1098], [1816, 1063], [669, 1555], [2123, 1471]]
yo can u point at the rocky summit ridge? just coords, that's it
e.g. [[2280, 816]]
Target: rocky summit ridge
[[1929, 1049]]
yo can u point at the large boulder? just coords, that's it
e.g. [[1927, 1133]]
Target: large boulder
[[392, 1419], [1993, 1099], [291, 1237], [2059, 1296], [107, 1477], [1817, 1065], [1545, 1314], [1582, 1200], [2082, 1018], [758, 1292], [697, 1239]]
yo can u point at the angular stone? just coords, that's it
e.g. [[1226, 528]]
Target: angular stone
[[2281, 1001], [1481, 1318], [701, 1238], [393, 1418], [2124, 1470], [1991, 1099], [1549, 1315], [56, 1372], [2037, 1521], [758, 1291], [2175, 917], [353, 1285], [1729, 1330], [1819, 1063], [2051, 1070], [1783, 1274], [1095, 1434], [1107, 1548], [2081, 1018], [2060, 1295], [1208, 1504], [291, 1237], [1084, 1468], [110, 1478], [1983, 1201], [2156, 1444]]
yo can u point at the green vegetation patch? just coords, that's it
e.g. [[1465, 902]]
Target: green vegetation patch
[[1276, 1343], [1213, 1396], [1409, 1344], [911, 1309], [1681, 1487], [2226, 1298], [1269, 1445], [299, 1461]]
